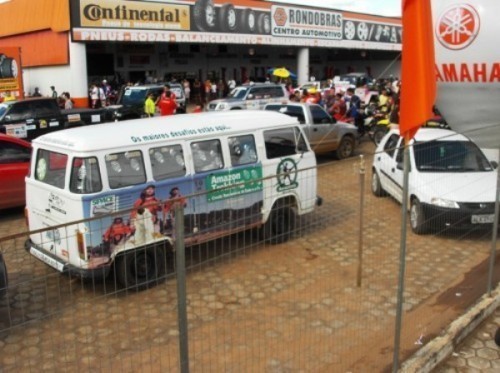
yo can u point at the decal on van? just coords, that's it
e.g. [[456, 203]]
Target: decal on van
[[287, 175], [103, 205], [246, 180]]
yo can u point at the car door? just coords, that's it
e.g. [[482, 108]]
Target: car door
[[322, 132], [46, 116], [385, 164], [14, 164]]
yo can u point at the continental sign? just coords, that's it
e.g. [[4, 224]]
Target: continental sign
[[10, 72], [231, 22], [134, 15]]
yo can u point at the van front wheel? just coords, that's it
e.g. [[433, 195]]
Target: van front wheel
[[141, 268], [280, 224]]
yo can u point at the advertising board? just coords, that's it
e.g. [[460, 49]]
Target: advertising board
[[230, 22], [11, 82]]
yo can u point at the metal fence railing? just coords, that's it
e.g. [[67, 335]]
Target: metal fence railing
[[323, 300]]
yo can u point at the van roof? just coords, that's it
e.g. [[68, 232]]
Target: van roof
[[158, 129]]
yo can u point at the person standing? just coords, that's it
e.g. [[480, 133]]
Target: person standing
[[54, 92], [94, 96], [197, 91], [187, 90], [68, 104], [167, 104], [208, 89], [37, 93], [149, 106]]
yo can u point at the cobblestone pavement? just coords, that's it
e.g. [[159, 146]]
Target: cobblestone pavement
[[252, 307], [478, 353]]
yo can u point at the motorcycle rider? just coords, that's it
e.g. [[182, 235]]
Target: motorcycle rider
[[354, 110]]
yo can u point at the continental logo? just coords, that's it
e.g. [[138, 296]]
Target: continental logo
[[114, 14]]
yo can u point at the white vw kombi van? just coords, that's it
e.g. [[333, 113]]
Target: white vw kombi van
[[106, 195]]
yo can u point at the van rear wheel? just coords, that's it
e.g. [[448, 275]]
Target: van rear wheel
[[141, 268], [280, 224]]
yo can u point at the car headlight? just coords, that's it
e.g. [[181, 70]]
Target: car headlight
[[222, 106], [440, 202], [117, 114]]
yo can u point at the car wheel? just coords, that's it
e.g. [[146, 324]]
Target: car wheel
[[378, 134], [280, 224], [417, 218], [141, 268], [248, 21], [227, 18], [4, 280], [204, 15], [264, 23], [8, 67], [345, 149], [377, 189]]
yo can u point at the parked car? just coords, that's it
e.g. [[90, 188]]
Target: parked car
[[451, 182], [251, 97], [30, 118], [15, 157], [130, 102], [324, 133]]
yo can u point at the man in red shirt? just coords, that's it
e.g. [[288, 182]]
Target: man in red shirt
[[167, 104]]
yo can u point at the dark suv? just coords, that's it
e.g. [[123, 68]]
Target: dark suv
[[130, 103]]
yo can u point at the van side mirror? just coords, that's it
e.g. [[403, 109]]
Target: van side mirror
[[494, 164]]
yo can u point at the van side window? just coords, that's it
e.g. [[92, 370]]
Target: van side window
[[125, 169], [50, 168], [283, 142], [207, 155], [167, 162], [242, 150], [85, 176]]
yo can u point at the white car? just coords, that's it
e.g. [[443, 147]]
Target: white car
[[451, 182]]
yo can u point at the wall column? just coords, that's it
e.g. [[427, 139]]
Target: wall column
[[303, 65], [78, 70]]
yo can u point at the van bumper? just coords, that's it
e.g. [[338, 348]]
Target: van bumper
[[55, 262]]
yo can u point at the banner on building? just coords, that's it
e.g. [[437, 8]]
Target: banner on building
[[235, 22], [11, 81]]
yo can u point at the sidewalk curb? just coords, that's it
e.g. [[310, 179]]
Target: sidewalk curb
[[441, 347]]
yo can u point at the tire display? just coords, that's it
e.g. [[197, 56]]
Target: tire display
[[227, 18], [8, 67], [248, 21], [205, 15], [264, 23], [349, 30]]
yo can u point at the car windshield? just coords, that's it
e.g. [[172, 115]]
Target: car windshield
[[450, 156], [134, 96], [238, 92], [3, 109]]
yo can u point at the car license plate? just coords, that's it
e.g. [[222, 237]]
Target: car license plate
[[483, 219]]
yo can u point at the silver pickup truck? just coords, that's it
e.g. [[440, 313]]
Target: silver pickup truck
[[324, 133]]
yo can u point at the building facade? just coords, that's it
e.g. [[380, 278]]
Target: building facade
[[71, 44]]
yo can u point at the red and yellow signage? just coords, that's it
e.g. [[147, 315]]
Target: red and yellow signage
[[11, 80]]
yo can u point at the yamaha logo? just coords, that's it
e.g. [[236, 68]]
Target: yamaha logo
[[458, 26]]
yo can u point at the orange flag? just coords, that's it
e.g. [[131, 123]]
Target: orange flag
[[418, 77]]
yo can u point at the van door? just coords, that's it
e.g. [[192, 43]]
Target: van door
[[292, 164]]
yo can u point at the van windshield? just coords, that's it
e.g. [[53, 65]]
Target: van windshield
[[450, 156], [238, 92]]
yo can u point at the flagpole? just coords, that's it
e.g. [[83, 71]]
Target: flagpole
[[402, 254]]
